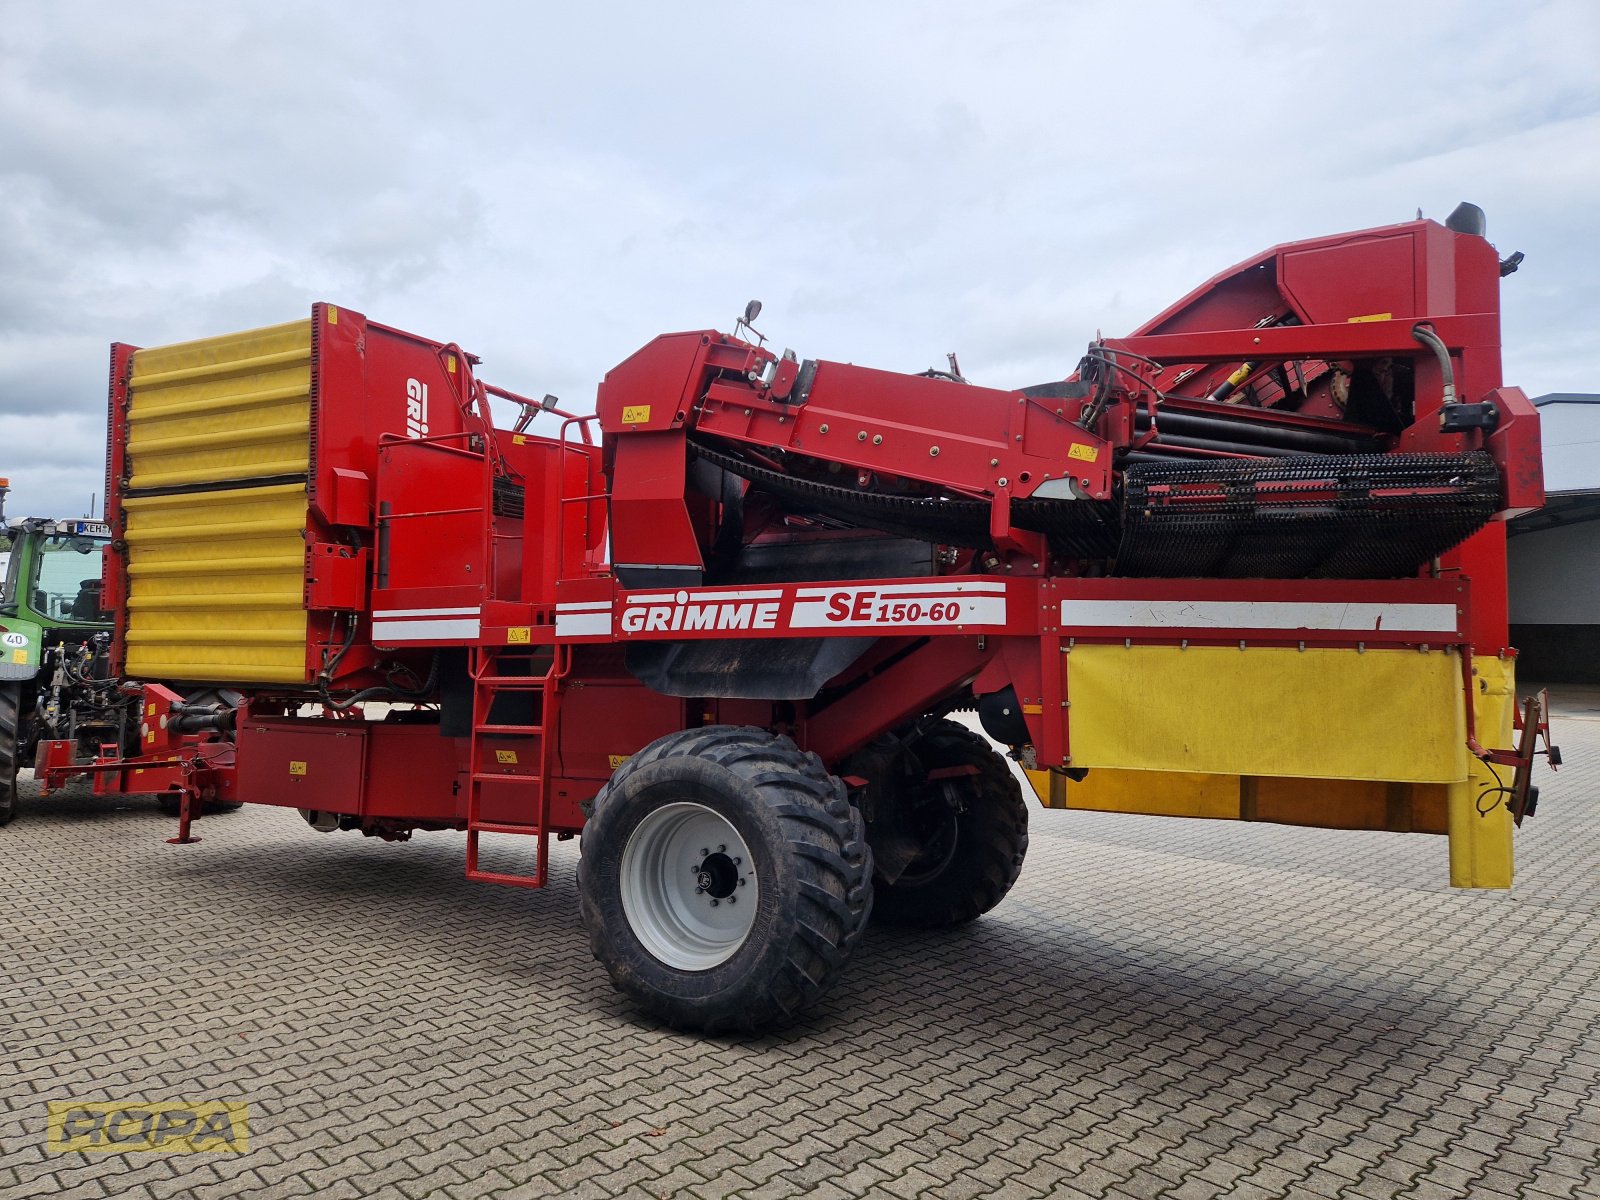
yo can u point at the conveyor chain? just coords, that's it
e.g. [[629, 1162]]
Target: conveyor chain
[[1353, 516], [1348, 516]]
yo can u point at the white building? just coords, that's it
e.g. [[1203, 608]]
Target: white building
[[1555, 552]]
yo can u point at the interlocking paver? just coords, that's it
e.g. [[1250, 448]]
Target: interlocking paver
[[1182, 1010]]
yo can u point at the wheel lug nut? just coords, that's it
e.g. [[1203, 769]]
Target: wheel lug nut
[[714, 903], [732, 899], [704, 853], [742, 881], [738, 862], [722, 849]]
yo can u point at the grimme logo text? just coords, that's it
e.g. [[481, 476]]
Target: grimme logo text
[[172, 1127], [416, 408]]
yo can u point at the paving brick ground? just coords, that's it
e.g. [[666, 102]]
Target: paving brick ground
[[1161, 1009]]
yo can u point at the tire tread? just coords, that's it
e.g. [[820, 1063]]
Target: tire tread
[[999, 830], [10, 754], [826, 840]]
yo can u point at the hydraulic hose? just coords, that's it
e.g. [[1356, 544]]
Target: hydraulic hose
[[1426, 334]]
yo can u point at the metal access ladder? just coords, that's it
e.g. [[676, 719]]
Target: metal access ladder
[[492, 677]]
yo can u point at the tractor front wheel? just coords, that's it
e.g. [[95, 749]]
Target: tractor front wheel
[[10, 747], [948, 825], [725, 878]]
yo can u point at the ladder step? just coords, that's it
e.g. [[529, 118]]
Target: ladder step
[[506, 777], [536, 880], [527, 881], [513, 683], [524, 730], [502, 827]]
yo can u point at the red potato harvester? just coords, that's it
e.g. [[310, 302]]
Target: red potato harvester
[[1248, 563]]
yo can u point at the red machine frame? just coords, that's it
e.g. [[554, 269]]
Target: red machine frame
[[537, 613]]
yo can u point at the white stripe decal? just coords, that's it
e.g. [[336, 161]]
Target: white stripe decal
[[403, 613], [587, 606], [998, 587], [695, 597], [424, 631], [583, 624], [1315, 615]]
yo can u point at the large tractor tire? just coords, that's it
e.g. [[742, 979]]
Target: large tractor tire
[[10, 747], [725, 878], [950, 828]]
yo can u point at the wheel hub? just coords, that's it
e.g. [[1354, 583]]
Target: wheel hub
[[717, 875]]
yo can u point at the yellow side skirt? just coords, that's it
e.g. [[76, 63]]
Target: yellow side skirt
[[1332, 739]]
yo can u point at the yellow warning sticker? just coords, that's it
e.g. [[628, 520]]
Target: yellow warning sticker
[[519, 439], [297, 766], [450, 363], [1372, 317], [505, 756], [19, 656], [1083, 452], [150, 709], [333, 315], [616, 760], [519, 635], [635, 414]]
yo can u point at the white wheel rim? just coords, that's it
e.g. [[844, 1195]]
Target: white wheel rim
[[688, 886]]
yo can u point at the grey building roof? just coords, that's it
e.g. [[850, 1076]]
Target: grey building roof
[[1569, 427]]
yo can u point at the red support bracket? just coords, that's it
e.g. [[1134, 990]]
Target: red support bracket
[[186, 806], [1532, 721]]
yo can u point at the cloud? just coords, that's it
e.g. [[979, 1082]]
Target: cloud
[[552, 186]]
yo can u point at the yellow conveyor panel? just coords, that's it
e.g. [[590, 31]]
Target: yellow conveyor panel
[[216, 570], [225, 408], [217, 585]]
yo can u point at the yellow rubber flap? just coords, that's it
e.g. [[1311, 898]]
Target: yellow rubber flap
[[1480, 818], [1391, 715]]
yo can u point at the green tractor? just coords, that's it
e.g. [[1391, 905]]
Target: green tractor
[[55, 640]]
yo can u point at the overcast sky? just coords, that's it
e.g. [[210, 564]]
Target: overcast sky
[[552, 185]]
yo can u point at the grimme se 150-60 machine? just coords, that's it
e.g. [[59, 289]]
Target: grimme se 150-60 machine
[[1248, 563]]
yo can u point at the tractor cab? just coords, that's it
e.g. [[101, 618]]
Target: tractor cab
[[53, 576], [55, 685]]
